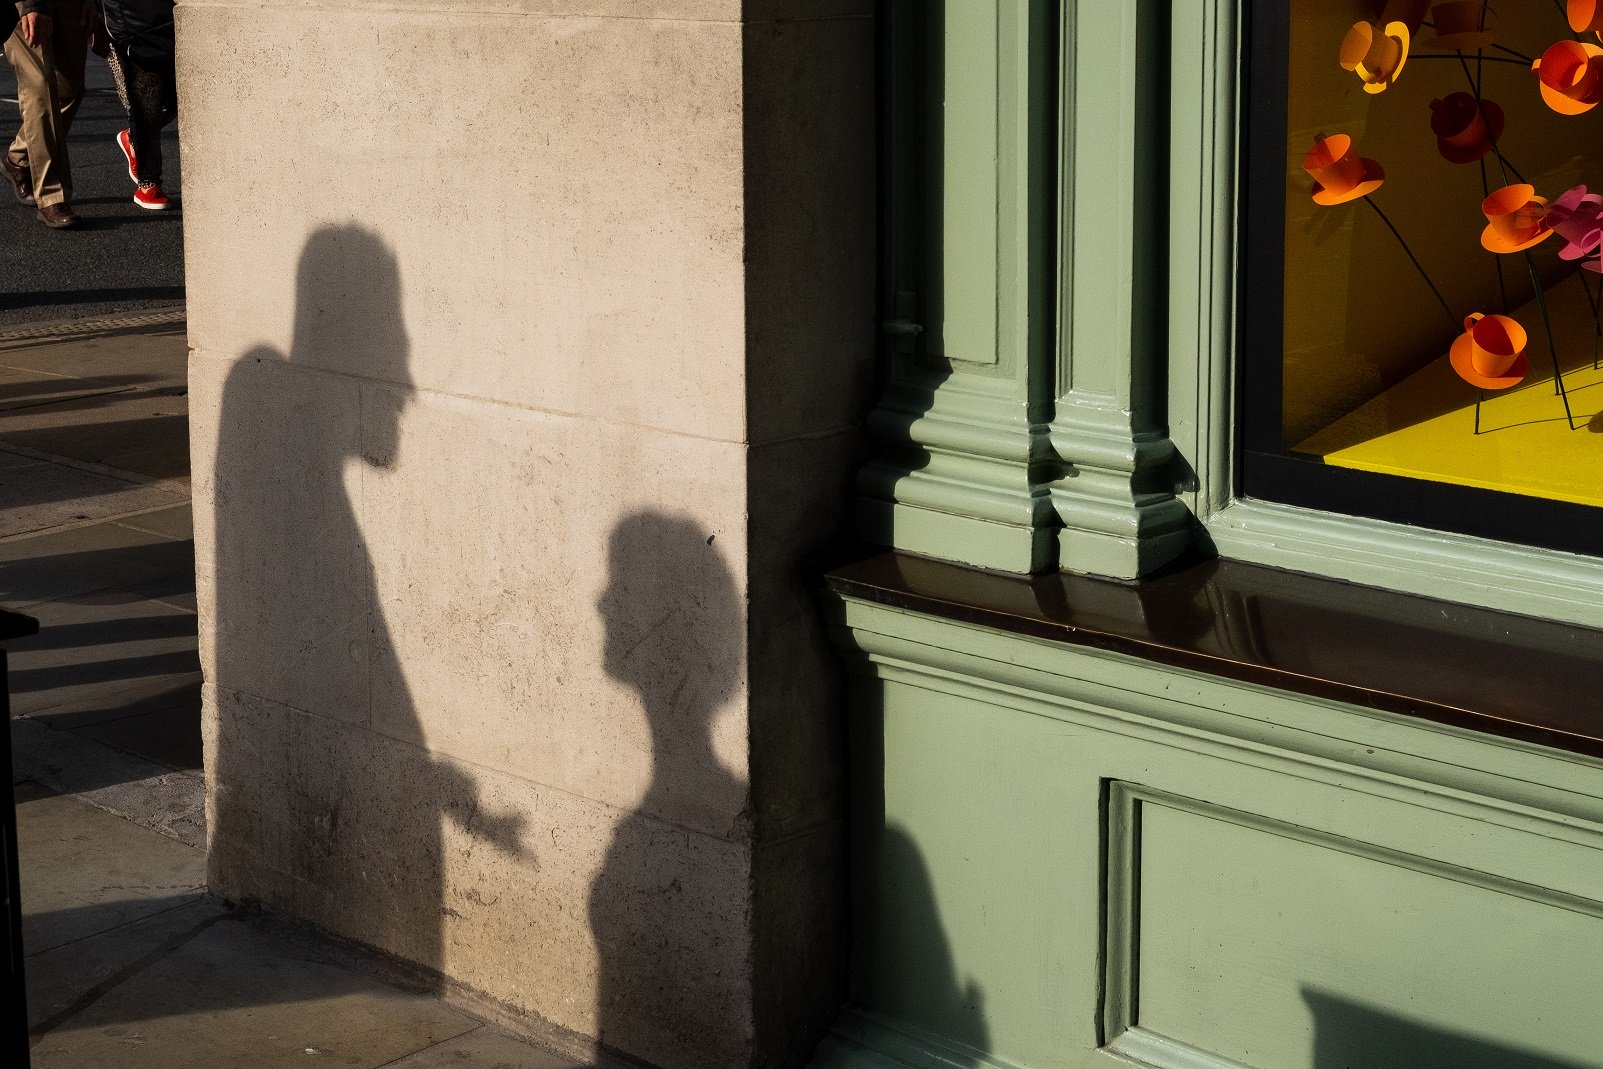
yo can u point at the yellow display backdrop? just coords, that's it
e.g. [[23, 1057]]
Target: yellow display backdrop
[[1442, 172], [1424, 426]]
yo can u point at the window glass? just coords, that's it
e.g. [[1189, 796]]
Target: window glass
[[1425, 263]]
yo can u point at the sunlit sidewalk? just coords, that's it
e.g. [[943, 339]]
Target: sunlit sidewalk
[[129, 963]]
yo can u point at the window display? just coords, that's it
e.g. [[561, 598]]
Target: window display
[[1422, 304]]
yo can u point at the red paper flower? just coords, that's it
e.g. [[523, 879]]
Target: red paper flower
[[1342, 175], [1490, 353], [1465, 129], [1571, 76], [1462, 26], [1516, 219]]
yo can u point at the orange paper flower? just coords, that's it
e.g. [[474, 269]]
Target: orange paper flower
[[1490, 353], [1465, 129], [1376, 53], [1571, 77], [1516, 219], [1462, 26], [1586, 16], [1342, 175]]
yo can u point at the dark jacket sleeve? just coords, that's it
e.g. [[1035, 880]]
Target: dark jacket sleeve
[[141, 28], [31, 7]]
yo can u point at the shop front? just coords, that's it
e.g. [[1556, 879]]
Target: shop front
[[1227, 695]]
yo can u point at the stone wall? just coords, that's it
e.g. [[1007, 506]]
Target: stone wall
[[529, 344]]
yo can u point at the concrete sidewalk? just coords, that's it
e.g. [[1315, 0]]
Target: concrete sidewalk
[[130, 964]]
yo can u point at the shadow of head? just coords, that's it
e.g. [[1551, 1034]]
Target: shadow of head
[[1353, 1034], [674, 626], [349, 318]]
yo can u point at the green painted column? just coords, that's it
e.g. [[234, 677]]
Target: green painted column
[[1116, 496], [963, 458]]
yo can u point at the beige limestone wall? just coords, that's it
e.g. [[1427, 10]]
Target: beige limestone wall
[[529, 345]]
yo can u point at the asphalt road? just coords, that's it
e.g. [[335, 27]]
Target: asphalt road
[[123, 258]]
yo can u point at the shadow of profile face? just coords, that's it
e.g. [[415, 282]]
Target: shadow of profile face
[[348, 319], [673, 620]]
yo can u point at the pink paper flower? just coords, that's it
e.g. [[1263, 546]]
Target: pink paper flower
[[1577, 217]]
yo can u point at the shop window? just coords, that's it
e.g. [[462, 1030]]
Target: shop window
[[1421, 305]]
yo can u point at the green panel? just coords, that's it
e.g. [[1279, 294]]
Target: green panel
[[1268, 946], [962, 814], [961, 302]]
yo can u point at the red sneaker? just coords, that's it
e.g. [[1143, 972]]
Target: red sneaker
[[149, 195], [126, 143]]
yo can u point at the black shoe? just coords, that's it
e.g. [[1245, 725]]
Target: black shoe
[[21, 180], [57, 217]]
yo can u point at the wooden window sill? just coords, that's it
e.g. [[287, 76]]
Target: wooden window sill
[[1514, 676]]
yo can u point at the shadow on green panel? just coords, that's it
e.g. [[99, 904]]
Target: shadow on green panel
[[1350, 1035]]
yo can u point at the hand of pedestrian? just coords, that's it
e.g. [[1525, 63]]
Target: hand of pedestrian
[[36, 29], [99, 39]]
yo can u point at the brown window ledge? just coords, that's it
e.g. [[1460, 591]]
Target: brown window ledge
[[1508, 675]]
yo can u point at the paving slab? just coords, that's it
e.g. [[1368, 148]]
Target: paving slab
[[486, 1047], [135, 431], [37, 494], [145, 794], [84, 871], [176, 522], [118, 699], [233, 994], [90, 641], [128, 555], [22, 389], [62, 980], [169, 736], [153, 356]]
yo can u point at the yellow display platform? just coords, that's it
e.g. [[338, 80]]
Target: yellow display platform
[[1423, 427]]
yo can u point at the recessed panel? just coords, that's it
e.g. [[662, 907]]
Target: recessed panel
[[1263, 944]]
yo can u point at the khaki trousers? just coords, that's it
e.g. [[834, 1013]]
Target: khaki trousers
[[50, 85]]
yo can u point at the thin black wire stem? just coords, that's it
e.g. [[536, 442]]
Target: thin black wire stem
[[1521, 56], [1446, 308], [1497, 261], [1597, 321], [1502, 161], [1530, 261], [1565, 14], [1489, 59], [1552, 346]]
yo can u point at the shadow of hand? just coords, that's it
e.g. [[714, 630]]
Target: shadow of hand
[[503, 830]]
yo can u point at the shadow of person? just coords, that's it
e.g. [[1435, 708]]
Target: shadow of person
[[325, 803], [669, 910]]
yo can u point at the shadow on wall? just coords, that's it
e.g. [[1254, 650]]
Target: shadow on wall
[[326, 803], [1350, 1035], [668, 911]]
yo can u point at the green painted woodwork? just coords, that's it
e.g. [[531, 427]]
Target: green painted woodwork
[[1115, 498], [963, 455], [1256, 936], [959, 290], [1071, 858]]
